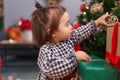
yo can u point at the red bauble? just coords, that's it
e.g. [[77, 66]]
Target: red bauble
[[76, 26], [82, 7], [24, 24]]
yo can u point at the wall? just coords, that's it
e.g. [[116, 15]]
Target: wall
[[14, 9]]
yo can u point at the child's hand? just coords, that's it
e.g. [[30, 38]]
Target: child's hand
[[101, 20], [81, 55]]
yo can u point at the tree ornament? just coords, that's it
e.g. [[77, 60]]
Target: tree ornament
[[86, 4], [82, 7], [112, 20], [97, 7], [0, 63], [117, 3], [84, 20], [76, 24]]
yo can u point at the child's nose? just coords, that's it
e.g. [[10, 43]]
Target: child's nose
[[71, 26]]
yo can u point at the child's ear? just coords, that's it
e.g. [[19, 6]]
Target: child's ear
[[48, 31]]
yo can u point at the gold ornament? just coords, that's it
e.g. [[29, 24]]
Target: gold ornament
[[97, 7], [112, 20], [117, 3]]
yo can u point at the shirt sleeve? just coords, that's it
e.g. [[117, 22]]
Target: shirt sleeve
[[56, 67], [83, 32]]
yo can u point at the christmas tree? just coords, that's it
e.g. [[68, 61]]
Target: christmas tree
[[96, 44]]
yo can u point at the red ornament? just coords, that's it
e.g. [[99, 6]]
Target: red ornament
[[7, 29], [24, 24], [82, 7], [0, 62], [77, 47], [0, 76], [76, 25]]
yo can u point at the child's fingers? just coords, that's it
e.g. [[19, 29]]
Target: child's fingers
[[88, 58], [105, 23]]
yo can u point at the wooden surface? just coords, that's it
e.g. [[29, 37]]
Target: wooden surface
[[8, 42]]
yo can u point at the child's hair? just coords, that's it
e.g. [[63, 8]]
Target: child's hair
[[44, 18]]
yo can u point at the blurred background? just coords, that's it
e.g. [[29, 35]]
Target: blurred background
[[18, 51]]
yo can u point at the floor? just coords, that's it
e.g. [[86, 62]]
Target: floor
[[20, 69]]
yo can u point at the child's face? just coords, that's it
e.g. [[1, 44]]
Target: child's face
[[64, 29]]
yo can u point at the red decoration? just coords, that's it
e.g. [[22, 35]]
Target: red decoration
[[24, 24], [82, 7], [0, 62], [77, 46], [8, 29], [0, 76], [76, 25]]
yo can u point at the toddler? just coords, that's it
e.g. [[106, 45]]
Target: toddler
[[56, 38]]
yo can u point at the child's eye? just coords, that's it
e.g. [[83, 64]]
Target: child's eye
[[67, 24]]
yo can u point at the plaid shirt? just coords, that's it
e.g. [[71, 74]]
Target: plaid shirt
[[57, 61]]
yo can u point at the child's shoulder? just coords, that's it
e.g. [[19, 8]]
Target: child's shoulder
[[46, 47]]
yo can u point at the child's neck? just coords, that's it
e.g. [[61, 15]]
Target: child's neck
[[56, 41]]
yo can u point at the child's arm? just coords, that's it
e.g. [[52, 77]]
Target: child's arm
[[85, 31]]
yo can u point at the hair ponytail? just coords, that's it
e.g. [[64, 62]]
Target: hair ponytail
[[38, 6]]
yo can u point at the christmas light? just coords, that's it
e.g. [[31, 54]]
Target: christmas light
[[84, 13]]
